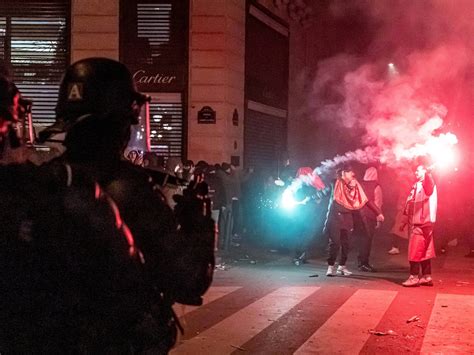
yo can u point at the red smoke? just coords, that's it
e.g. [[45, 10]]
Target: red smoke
[[407, 109]]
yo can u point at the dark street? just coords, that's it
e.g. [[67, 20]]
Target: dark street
[[273, 307]]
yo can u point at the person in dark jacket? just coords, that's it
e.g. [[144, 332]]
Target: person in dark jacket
[[232, 182], [347, 198], [365, 222], [217, 196]]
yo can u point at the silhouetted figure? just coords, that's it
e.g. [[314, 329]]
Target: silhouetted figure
[[163, 256]]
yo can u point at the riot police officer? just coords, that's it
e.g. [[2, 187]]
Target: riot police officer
[[96, 107], [71, 279]]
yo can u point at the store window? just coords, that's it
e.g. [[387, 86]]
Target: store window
[[34, 45], [154, 45]]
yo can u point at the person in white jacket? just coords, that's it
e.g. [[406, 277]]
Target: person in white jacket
[[421, 212]]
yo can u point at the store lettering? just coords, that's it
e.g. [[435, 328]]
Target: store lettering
[[141, 77]]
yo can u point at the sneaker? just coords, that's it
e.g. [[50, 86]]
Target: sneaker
[[394, 251], [413, 281], [331, 270], [367, 268], [426, 281], [342, 270]]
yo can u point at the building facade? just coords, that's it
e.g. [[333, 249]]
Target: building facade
[[218, 71]]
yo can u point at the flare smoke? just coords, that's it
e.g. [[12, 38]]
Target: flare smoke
[[400, 110]]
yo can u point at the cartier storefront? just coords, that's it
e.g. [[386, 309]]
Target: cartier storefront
[[154, 45]]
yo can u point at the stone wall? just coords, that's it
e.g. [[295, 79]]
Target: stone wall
[[95, 29], [217, 64]]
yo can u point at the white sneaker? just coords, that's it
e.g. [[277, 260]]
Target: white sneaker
[[413, 281], [426, 280], [331, 270], [394, 251], [342, 270]]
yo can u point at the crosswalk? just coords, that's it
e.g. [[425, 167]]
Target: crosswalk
[[453, 330], [321, 320], [362, 311]]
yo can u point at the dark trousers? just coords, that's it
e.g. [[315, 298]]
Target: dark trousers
[[395, 240], [365, 234], [338, 239], [236, 217], [225, 228], [425, 267], [301, 243]]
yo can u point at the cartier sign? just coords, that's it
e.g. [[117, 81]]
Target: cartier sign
[[152, 78], [142, 77]]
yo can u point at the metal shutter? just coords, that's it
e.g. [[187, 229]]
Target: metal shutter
[[166, 124], [36, 45], [153, 31], [264, 140]]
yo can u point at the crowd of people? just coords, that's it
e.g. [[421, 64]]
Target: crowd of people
[[247, 206], [354, 209]]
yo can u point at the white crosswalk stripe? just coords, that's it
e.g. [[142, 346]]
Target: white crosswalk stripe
[[350, 324], [226, 336], [211, 295], [451, 326], [450, 329]]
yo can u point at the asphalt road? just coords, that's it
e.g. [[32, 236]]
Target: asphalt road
[[262, 304]]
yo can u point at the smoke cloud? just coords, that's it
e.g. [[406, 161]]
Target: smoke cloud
[[401, 95]]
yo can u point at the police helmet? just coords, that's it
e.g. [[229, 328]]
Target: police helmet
[[95, 87]]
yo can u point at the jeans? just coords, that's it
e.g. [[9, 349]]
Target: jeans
[[425, 267], [338, 240]]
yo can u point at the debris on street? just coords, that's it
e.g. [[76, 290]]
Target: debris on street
[[413, 319], [237, 347], [222, 267], [379, 333]]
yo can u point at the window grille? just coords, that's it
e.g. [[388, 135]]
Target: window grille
[[34, 42]]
